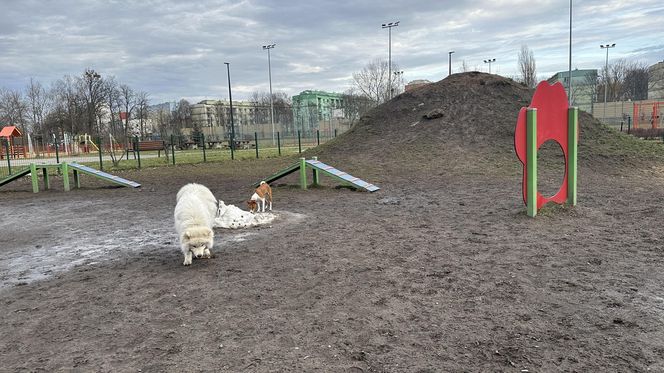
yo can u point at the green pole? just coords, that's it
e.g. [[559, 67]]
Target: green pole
[[203, 143], [314, 180], [572, 149], [335, 132], [303, 173], [33, 176], [279, 143], [256, 142], [101, 163], [318, 137], [531, 161], [173, 149], [299, 141], [65, 175], [138, 150], [77, 179]]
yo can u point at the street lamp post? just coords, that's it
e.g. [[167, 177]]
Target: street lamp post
[[569, 75], [269, 72], [389, 26], [230, 100], [489, 62], [450, 62], [606, 73]]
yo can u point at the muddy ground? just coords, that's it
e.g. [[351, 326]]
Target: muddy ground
[[439, 271], [443, 273]]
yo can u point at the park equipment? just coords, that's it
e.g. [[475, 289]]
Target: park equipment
[[64, 167], [317, 166], [547, 118]]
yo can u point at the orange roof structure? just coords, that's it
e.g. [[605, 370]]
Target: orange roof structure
[[10, 131]]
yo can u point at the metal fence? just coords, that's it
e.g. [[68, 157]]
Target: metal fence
[[107, 154]]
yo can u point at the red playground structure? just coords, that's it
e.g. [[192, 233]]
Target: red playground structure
[[8, 146]]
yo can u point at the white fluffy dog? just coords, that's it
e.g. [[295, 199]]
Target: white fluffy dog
[[194, 217]]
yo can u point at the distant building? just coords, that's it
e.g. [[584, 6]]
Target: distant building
[[416, 84], [313, 108], [583, 87], [656, 81]]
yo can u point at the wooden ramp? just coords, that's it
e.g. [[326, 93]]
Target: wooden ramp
[[317, 166]]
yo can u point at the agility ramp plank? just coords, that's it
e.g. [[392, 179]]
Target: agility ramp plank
[[103, 175], [15, 176], [344, 177], [280, 174]]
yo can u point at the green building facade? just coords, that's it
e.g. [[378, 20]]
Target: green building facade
[[311, 109]]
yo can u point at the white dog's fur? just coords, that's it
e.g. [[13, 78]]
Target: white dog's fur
[[194, 217]]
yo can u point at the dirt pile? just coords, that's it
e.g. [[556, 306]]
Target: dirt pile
[[471, 116]]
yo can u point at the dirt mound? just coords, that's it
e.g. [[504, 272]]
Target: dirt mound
[[469, 118]]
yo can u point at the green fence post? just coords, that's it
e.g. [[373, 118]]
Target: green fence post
[[256, 142], [303, 173], [138, 150], [101, 163], [317, 137], [531, 160], [299, 141], [77, 179], [34, 177], [572, 149], [173, 149], [335, 132], [278, 143], [65, 175], [203, 144], [9, 162]]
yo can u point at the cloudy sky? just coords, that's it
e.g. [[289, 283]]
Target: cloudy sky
[[176, 49]]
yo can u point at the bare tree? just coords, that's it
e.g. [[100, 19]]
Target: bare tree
[[38, 101], [13, 108], [373, 82], [69, 101], [91, 84], [127, 99], [527, 70], [464, 67], [355, 105], [142, 107]]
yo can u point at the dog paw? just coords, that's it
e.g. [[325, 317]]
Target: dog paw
[[207, 254], [187, 262]]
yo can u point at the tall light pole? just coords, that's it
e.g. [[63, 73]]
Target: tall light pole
[[450, 63], [489, 62], [389, 26], [606, 73], [269, 72], [230, 99]]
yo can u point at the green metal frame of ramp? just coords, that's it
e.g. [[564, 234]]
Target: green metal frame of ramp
[[103, 175], [316, 166], [15, 176]]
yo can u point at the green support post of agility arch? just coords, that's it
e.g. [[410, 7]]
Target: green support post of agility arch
[[303, 173], [573, 151], [531, 156]]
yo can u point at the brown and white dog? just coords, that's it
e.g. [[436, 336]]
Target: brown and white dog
[[263, 194]]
